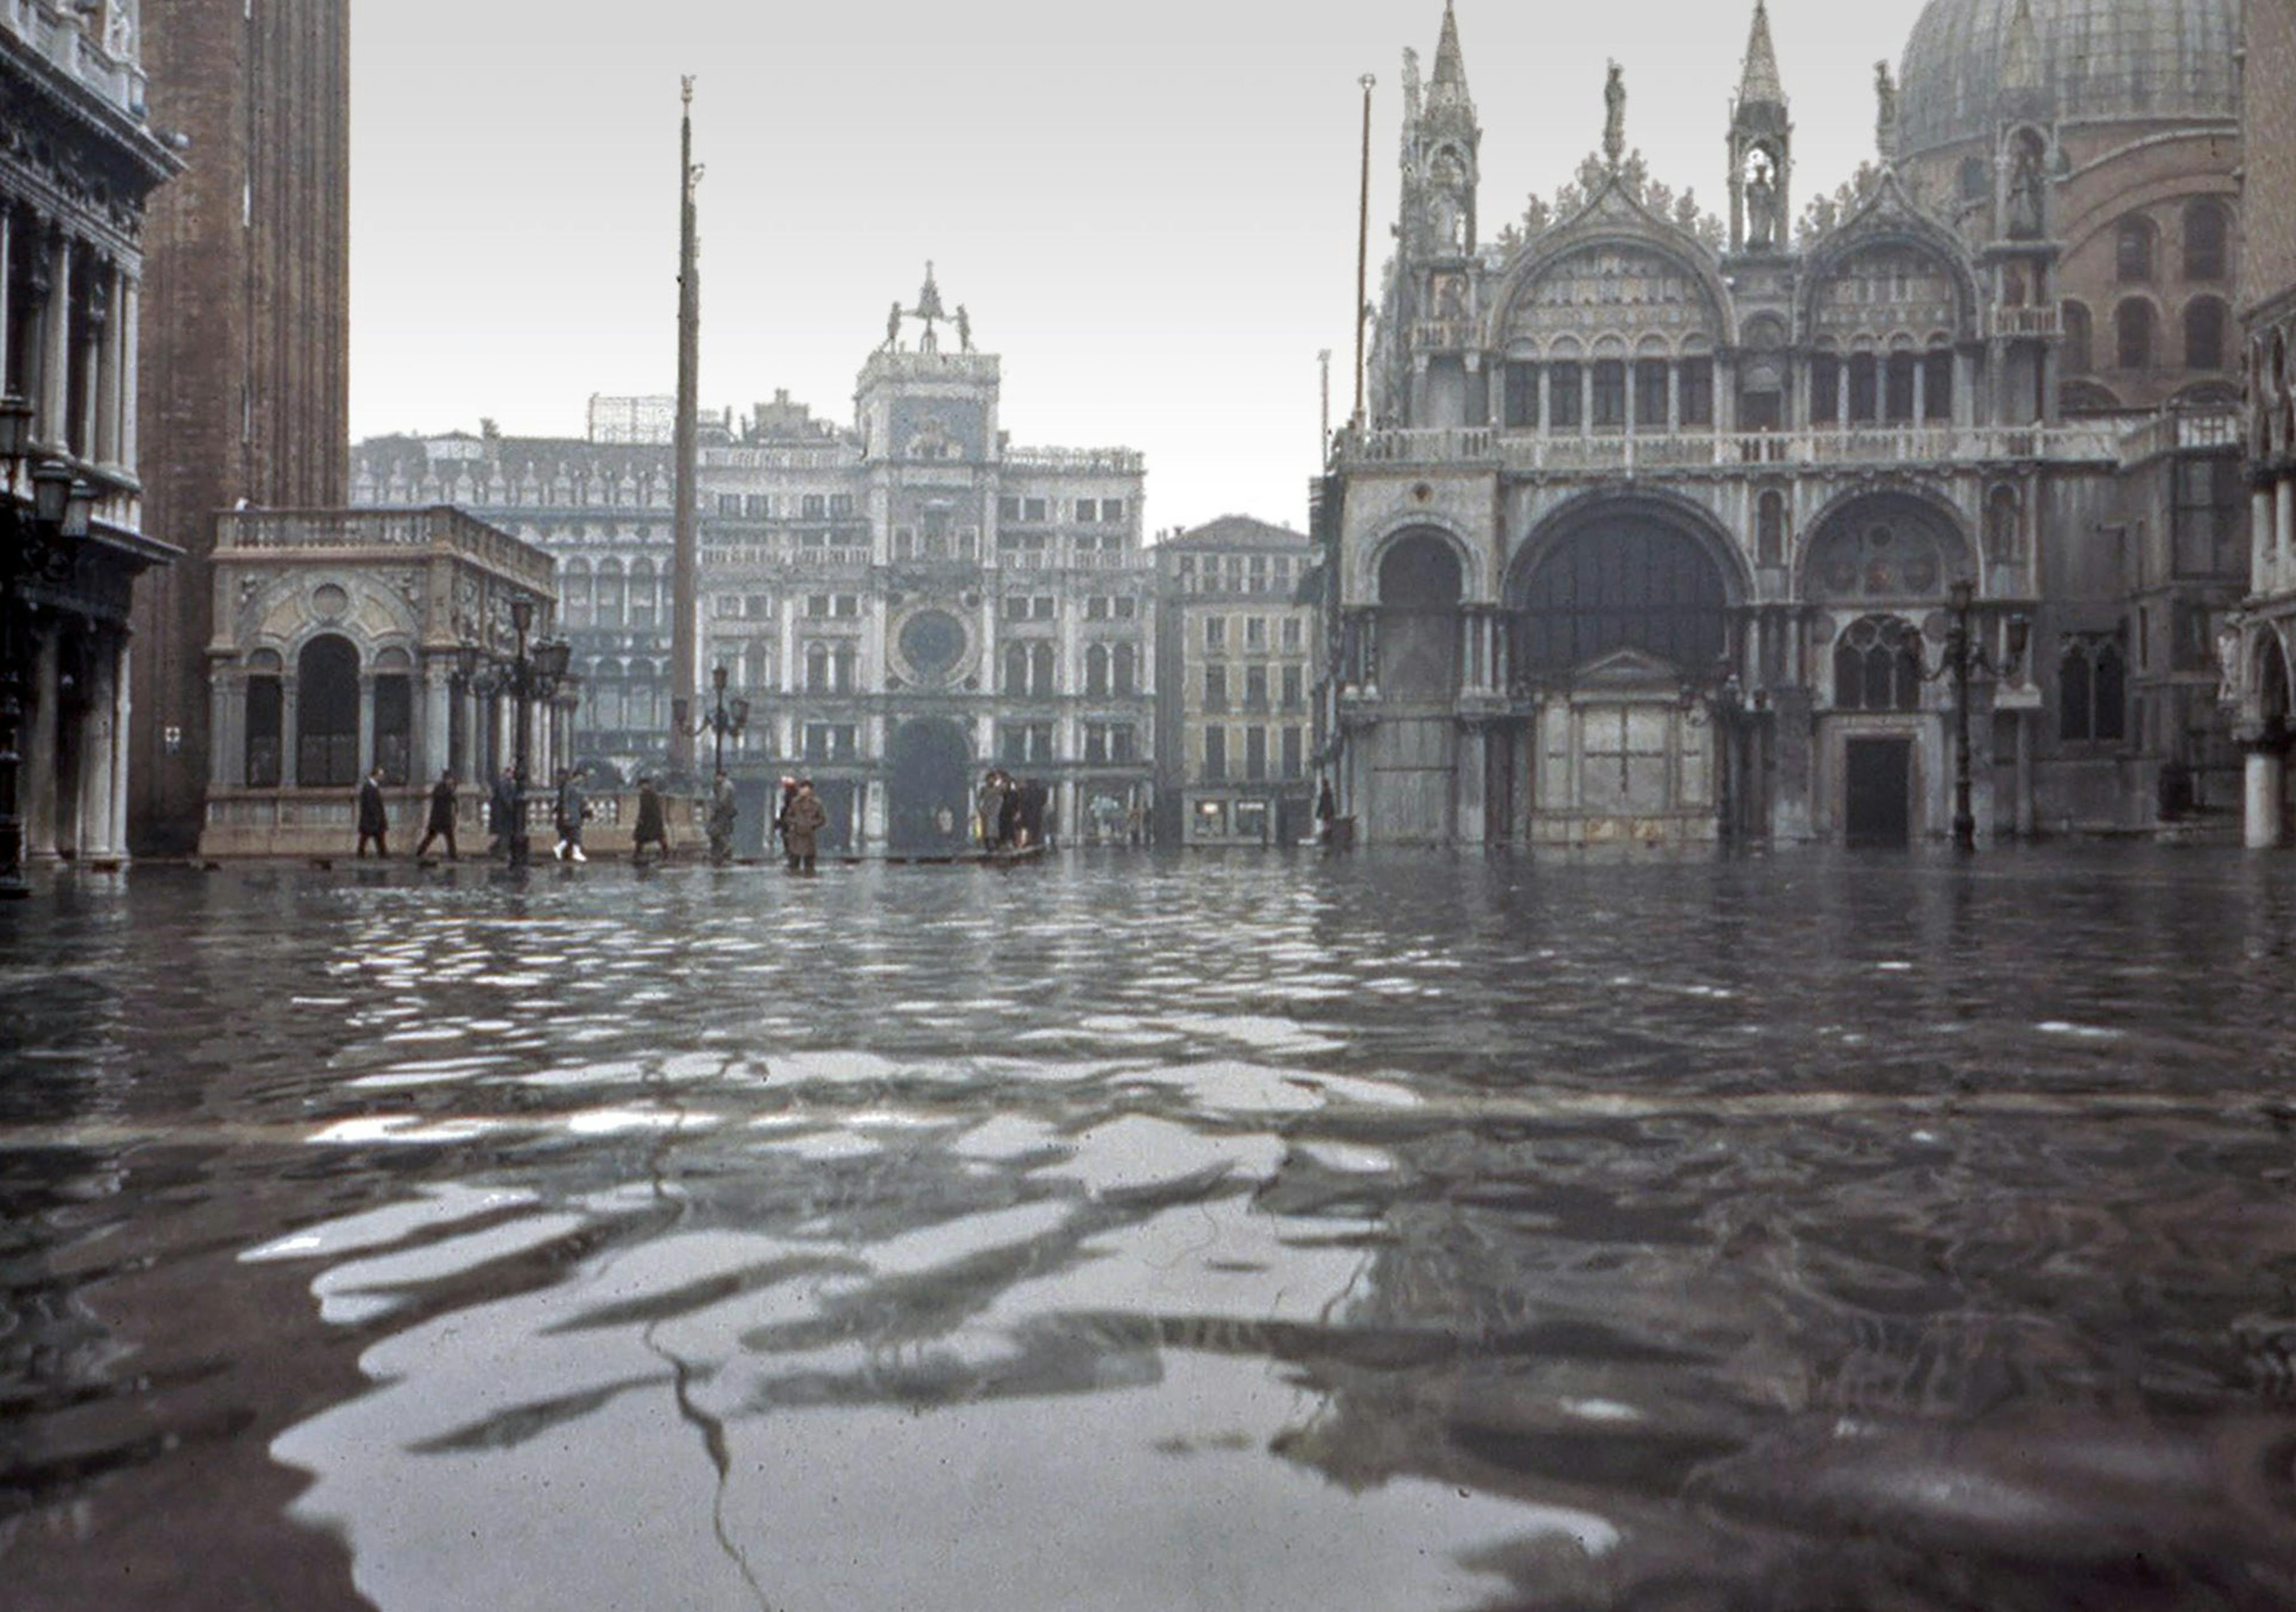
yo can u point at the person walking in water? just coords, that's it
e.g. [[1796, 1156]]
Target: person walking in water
[[442, 818], [802, 825], [571, 809], [501, 812], [374, 816], [723, 810], [653, 827], [988, 808]]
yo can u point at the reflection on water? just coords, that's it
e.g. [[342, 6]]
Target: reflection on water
[[1403, 1233]]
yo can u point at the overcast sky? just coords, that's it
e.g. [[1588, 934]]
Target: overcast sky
[[1150, 213]]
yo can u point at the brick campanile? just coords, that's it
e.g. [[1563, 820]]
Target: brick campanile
[[246, 337]]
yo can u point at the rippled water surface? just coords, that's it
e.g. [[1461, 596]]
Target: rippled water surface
[[1117, 1232]]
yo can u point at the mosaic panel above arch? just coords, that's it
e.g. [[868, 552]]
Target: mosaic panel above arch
[[1885, 547], [1618, 290], [1885, 289]]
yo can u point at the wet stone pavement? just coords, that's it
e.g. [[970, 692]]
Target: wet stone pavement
[[1815, 1232]]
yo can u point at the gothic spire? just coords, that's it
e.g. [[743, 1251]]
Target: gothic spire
[[1761, 86], [1447, 99]]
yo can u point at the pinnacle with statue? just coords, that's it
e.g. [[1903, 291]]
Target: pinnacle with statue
[[932, 314]]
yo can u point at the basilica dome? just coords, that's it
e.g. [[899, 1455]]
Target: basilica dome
[[2104, 59]]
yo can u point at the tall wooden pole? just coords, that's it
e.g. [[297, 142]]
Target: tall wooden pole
[[685, 593], [1362, 253]]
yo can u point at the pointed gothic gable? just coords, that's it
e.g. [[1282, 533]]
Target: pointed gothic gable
[[1658, 276], [1890, 216], [1626, 670]]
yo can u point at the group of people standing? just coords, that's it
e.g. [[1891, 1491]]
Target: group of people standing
[[1009, 813]]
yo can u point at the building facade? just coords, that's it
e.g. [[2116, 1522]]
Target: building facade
[[77, 168], [1656, 529], [347, 640], [901, 603], [246, 326], [1236, 657], [2257, 675]]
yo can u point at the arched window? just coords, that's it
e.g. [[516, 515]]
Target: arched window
[[1420, 587], [841, 666], [2133, 333], [1877, 666], [2080, 347], [2204, 333], [610, 594], [1624, 582], [2133, 251], [816, 669], [1128, 670], [641, 596], [1040, 672], [2207, 233], [1770, 529], [1016, 669], [574, 593], [327, 713], [1095, 671]]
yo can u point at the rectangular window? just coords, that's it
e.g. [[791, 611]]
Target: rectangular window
[[730, 504], [1610, 395], [1087, 511], [1293, 680], [1295, 749], [1255, 754], [1126, 608], [1112, 511], [1215, 755], [1865, 390], [1650, 393], [1937, 387], [729, 604], [841, 505], [1008, 509], [1216, 688], [1255, 632], [1698, 392], [1032, 511], [814, 507], [1294, 633], [1255, 688], [1215, 634], [1520, 407], [1898, 388], [1096, 744], [1825, 390], [1095, 609], [758, 505], [1563, 412]]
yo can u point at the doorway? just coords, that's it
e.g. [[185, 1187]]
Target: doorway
[[1879, 795], [929, 803]]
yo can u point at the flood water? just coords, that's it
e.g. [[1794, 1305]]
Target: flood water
[[1130, 1233]]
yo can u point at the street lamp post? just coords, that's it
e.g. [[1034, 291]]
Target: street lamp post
[[1964, 658], [728, 717], [534, 674], [42, 541]]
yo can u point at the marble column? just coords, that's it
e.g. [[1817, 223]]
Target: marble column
[[97, 744], [2267, 777], [434, 755], [52, 429], [39, 734], [104, 439], [123, 707]]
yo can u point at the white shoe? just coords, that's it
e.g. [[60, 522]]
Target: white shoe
[[578, 856]]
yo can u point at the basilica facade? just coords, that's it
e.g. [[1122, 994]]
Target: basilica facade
[[1920, 502], [898, 605]]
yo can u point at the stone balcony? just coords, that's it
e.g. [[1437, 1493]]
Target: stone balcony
[[387, 534], [1619, 453]]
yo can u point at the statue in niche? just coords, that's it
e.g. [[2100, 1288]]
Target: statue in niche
[[2025, 195], [1446, 214], [1765, 227], [1614, 128]]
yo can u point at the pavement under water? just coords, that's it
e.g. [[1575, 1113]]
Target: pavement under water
[[1129, 1232]]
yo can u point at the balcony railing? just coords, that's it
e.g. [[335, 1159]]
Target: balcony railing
[[1524, 452], [437, 530], [2041, 322], [2182, 430]]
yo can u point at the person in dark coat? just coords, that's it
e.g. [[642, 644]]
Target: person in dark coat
[[374, 816], [502, 811], [442, 818], [571, 809], [988, 809], [653, 827], [723, 810], [802, 825]]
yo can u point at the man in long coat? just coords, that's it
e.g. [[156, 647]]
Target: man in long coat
[[374, 816], [441, 820], [802, 825], [652, 826]]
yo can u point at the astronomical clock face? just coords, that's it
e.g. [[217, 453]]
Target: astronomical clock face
[[933, 643]]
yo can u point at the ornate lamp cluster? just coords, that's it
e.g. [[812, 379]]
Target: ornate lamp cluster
[[534, 674], [41, 542], [1963, 657], [729, 716]]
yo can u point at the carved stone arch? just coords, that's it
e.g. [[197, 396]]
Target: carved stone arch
[[1548, 256], [1895, 540], [2268, 694], [1648, 575], [1692, 520], [1474, 583], [1872, 232]]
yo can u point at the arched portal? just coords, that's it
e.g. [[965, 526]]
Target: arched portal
[[327, 713], [928, 767], [1420, 585], [1622, 580]]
